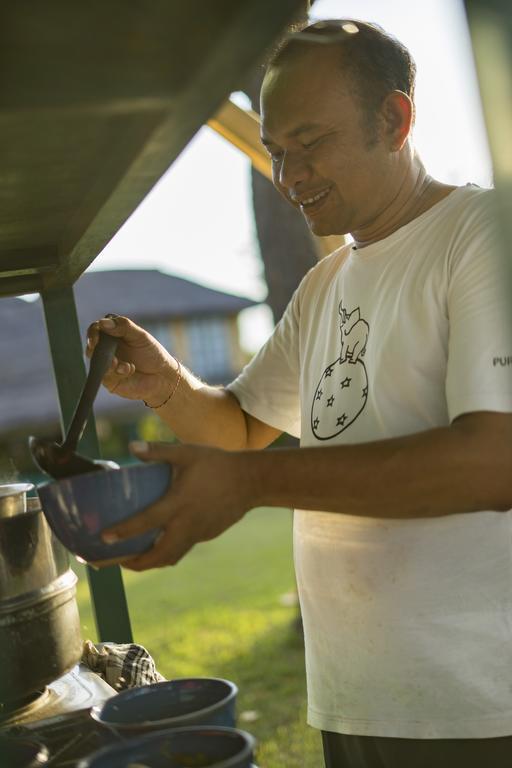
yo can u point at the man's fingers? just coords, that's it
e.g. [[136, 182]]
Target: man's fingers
[[115, 325], [124, 328], [173, 454], [119, 371], [93, 333], [96, 564], [152, 517], [168, 550], [124, 369], [162, 511]]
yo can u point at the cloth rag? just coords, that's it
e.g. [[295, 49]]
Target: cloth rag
[[121, 665]]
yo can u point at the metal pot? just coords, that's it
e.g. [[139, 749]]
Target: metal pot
[[30, 555], [39, 622]]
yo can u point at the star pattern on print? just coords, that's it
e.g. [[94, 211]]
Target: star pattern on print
[[341, 393]]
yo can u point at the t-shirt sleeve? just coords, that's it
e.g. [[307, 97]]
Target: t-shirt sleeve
[[268, 387], [479, 374]]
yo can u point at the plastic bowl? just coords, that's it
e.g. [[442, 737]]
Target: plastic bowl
[[170, 704], [79, 508], [195, 747]]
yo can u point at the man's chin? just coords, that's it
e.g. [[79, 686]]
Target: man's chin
[[323, 228]]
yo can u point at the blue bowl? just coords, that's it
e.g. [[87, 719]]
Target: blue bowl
[[181, 748], [79, 508], [170, 704]]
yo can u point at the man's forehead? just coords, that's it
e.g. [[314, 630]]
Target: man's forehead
[[308, 126], [297, 66], [313, 73], [302, 94]]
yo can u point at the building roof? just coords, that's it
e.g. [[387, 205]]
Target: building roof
[[28, 395], [149, 294]]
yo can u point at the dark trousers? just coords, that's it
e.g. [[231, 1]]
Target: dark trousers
[[341, 751]]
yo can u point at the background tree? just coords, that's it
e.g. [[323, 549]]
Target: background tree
[[286, 246]]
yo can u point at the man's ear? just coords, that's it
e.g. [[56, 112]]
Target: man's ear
[[397, 114]]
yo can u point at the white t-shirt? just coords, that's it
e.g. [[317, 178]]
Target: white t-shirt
[[408, 623]]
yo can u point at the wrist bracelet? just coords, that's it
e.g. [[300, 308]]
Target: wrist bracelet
[[173, 392]]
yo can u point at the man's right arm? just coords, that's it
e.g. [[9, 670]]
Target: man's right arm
[[196, 412], [204, 415]]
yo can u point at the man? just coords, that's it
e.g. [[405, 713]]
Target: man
[[388, 365]]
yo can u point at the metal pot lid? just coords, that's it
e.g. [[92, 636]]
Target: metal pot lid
[[13, 498]]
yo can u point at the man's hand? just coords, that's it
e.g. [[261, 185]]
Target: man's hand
[[197, 413], [142, 368], [208, 494]]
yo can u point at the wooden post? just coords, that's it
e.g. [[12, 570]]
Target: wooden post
[[106, 586], [490, 23]]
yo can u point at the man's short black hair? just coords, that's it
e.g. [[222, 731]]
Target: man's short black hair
[[376, 62]]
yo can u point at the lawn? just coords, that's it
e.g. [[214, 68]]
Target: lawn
[[228, 610]]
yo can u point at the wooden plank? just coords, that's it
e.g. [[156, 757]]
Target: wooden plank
[[28, 260], [59, 162], [19, 285], [236, 49], [64, 52]]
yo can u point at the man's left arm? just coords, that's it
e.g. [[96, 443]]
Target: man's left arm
[[466, 467]]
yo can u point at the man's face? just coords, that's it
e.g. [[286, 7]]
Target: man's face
[[322, 160]]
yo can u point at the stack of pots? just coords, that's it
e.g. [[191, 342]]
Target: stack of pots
[[39, 622]]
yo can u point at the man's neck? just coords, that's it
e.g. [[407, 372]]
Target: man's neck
[[417, 193]]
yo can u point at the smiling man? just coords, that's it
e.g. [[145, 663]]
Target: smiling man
[[384, 365]]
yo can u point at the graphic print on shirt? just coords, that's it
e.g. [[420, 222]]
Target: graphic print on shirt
[[342, 391]]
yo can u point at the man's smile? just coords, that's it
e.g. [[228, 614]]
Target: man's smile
[[311, 202]]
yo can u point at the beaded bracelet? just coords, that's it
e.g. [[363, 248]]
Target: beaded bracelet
[[155, 407]]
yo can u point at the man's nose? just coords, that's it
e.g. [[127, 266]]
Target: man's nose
[[293, 170]]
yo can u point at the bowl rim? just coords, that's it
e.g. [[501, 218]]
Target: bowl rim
[[135, 467], [165, 723], [141, 739]]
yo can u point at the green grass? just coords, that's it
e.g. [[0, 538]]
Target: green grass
[[225, 611]]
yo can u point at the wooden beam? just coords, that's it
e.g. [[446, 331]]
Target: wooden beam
[[28, 260], [238, 47], [242, 129], [19, 285]]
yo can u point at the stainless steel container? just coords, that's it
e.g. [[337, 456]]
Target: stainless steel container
[[30, 555], [39, 622]]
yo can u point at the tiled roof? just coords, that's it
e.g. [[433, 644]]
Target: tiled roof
[[151, 294], [27, 389]]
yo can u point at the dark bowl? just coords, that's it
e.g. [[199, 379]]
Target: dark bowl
[[79, 508], [195, 747], [170, 704], [22, 753]]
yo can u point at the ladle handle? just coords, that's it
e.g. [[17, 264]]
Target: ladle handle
[[101, 359]]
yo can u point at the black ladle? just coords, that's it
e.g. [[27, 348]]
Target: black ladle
[[60, 459]]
